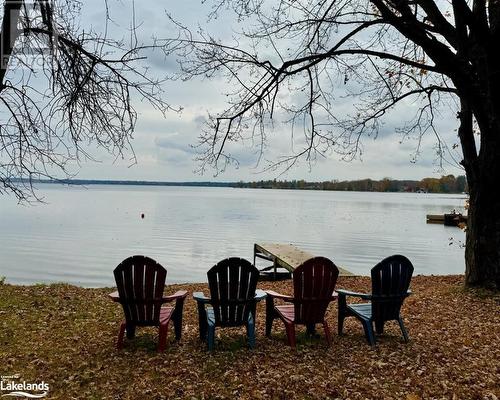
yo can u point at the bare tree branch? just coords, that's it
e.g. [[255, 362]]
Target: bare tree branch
[[90, 81]]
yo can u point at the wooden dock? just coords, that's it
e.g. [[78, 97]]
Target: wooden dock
[[284, 256], [452, 219]]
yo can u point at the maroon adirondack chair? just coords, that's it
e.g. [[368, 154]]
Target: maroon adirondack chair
[[140, 281], [313, 286]]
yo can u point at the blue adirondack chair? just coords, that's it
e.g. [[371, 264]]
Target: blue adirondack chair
[[390, 282], [232, 301]]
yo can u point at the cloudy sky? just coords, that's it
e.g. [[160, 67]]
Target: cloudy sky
[[163, 145]]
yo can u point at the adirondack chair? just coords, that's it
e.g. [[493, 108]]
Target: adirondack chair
[[390, 282], [313, 290], [140, 281], [233, 299]]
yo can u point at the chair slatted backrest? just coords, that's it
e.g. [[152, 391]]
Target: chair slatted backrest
[[232, 285], [390, 282], [313, 285], [140, 281]]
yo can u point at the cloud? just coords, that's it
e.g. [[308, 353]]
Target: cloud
[[174, 141], [164, 145]]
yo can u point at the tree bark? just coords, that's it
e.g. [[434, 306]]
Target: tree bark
[[482, 252], [480, 98]]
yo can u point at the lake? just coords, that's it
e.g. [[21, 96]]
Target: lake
[[81, 233]]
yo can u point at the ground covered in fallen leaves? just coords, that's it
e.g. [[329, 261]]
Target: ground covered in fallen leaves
[[65, 335]]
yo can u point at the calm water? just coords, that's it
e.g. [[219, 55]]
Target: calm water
[[81, 234]]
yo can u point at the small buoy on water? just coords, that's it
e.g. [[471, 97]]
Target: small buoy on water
[[142, 215]]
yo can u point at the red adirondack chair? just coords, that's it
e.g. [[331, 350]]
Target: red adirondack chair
[[140, 281], [313, 286]]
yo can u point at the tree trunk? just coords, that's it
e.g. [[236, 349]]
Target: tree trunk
[[482, 253]]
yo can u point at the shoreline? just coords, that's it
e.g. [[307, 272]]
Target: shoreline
[[4, 281], [426, 185]]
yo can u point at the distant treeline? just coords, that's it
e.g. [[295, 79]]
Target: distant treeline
[[85, 182], [445, 184]]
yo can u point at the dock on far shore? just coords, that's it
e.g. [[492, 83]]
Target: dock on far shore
[[452, 219]]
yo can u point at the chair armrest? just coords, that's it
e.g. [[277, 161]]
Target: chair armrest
[[114, 296], [391, 297], [344, 293], [180, 294], [272, 293], [260, 294], [201, 298]]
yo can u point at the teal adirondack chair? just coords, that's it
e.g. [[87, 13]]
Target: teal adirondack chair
[[390, 282], [232, 301]]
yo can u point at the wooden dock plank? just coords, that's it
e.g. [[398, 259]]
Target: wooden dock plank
[[287, 256]]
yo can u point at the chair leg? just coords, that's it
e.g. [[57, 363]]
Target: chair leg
[[311, 329], [251, 331], [340, 323], [379, 327], [130, 331], [177, 318], [269, 315], [121, 333], [202, 320], [210, 337], [290, 334], [328, 335], [370, 337], [162, 339], [342, 307], [403, 329]]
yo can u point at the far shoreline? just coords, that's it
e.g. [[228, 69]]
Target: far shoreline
[[5, 282], [444, 185]]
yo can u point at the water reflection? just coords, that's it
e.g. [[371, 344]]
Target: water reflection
[[83, 233]]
